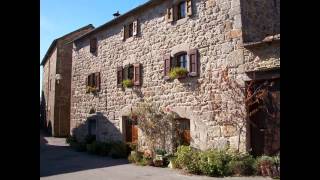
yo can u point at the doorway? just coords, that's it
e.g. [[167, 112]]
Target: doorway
[[264, 117], [131, 129], [183, 131]]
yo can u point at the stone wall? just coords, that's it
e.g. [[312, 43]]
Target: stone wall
[[58, 98], [214, 29], [49, 71], [260, 18]]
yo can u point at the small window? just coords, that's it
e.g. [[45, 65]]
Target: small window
[[93, 45], [182, 10], [128, 72], [93, 81], [131, 72], [182, 60]]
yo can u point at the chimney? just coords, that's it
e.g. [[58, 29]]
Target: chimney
[[116, 14]]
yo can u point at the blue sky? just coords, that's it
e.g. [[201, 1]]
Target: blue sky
[[59, 17]]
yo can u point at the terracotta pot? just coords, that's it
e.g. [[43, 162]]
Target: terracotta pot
[[158, 163]]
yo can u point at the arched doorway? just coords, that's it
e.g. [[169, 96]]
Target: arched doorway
[[130, 129], [183, 131]]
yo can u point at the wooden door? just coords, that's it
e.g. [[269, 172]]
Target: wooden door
[[184, 131], [131, 130], [264, 123]]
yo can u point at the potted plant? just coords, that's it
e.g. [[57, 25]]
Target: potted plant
[[158, 160], [147, 156], [91, 89], [127, 83], [178, 73], [265, 165]]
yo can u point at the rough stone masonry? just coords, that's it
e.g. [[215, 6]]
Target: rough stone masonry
[[226, 33]]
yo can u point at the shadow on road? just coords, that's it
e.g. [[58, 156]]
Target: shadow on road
[[56, 160]]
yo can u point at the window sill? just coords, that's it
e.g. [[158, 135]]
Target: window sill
[[180, 21]]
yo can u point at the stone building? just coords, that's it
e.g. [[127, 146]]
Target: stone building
[[146, 43], [56, 83]]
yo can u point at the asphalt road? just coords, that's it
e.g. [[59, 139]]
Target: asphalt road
[[59, 162]]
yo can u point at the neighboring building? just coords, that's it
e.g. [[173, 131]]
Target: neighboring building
[[56, 83], [144, 44]]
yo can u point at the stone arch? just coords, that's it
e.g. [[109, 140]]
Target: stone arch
[[198, 129], [125, 111]]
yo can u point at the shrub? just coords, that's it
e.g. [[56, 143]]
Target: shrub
[[104, 149], [94, 147], [264, 165], [89, 139], [161, 151], [135, 157], [187, 159], [78, 146], [71, 139], [214, 163], [178, 72], [242, 164], [127, 83], [118, 150]]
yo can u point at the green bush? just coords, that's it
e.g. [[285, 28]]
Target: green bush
[[127, 83], [118, 150], [93, 148], [161, 151], [187, 159], [104, 149], [135, 157], [89, 139], [242, 164], [178, 72], [78, 146], [214, 163], [71, 139]]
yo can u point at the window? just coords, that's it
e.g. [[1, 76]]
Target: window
[[93, 45], [182, 10], [130, 30], [188, 60], [131, 72], [182, 60], [93, 81], [179, 10]]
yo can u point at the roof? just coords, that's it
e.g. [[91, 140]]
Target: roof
[[54, 42], [119, 18], [268, 39]]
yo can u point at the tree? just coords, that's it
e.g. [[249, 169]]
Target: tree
[[155, 122], [238, 95]]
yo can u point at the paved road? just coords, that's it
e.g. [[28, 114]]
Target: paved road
[[59, 162]]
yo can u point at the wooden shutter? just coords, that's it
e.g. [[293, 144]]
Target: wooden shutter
[[189, 7], [89, 80], [194, 62], [169, 15], [135, 27], [175, 12], [119, 76], [97, 81], [137, 74], [93, 45], [167, 65], [124, 32]]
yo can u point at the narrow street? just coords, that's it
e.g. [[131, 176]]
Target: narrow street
[[59, 162]]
